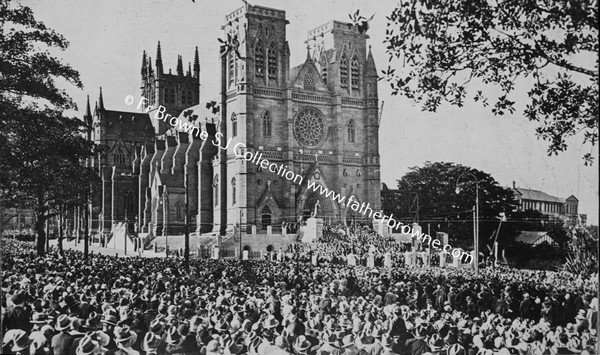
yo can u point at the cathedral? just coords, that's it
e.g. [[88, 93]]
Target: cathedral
[[318, 119]]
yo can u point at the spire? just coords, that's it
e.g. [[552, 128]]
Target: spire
[[159, 63], [87, 118], [196, 64], [179, 66], [308, 52], [88, 111], [370, 65], [189, 71], [144, 67], [100, 100]]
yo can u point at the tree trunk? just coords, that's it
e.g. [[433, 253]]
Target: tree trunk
[[61, 221], [40, 234]]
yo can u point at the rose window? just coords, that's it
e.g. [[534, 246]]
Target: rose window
[[309, 127]]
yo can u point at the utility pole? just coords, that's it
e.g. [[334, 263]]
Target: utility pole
[[186, 252]]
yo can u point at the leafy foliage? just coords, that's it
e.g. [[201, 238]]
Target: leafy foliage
[[43, 164], [26, 69], [449, 211], [440, 49], [583, 254]]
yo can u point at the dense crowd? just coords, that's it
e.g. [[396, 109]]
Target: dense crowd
[[337, 243], [67, 305]]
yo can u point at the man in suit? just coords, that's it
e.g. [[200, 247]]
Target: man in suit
[[17, 316]]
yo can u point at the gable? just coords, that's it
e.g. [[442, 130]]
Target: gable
[[308, 78]]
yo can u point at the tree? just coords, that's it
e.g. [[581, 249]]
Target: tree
[[449, 211], [439, 50], [43, 152], [43, 162], [26, 68]]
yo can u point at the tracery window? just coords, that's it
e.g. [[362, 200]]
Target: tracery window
[[354, 73], [309, 127], [309, 81], [259, 60], [272, 62], [267, 122], [351, 131], [344, 71]]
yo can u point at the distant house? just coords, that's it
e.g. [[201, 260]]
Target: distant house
[[563, 208], [534, 238]]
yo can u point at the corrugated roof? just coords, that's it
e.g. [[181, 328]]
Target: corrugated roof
[[529, 237], [536, 195]]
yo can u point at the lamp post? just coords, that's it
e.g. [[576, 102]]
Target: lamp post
[[240, 230], [476, 226], [186, 252]]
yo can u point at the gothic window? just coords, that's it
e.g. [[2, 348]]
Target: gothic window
[[234, 125], [267, 124], [354, 73], [119, 157], [179, 210], [309, 81], [216, 190], [259, 60], [324, 68], [344, 71], [233, 192], [231, 60], [309, 127], [272, 61], [266, 217], [351, 131]]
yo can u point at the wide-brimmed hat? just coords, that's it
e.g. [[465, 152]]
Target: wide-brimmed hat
[[151, 342], [233, 349], [436, 343], [63, 322], [110, 319], [89, 346], [271, 322], [456, 349], [40, 318], [92, 322], [173, 336], [156, 326], [123, 334], [21, 341], [302, 345]]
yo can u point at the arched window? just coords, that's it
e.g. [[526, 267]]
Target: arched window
[[216, 190], [259, 60], [344, 71], [272, 62], [233, 192], [119, 157], [354, 73], [266, 217], [234, 125], [309, 81], [351, 131], [266, 124]]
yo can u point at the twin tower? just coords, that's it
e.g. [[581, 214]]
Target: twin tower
[[319, 119]]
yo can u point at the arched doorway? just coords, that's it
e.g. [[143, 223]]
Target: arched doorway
[[266, 217]]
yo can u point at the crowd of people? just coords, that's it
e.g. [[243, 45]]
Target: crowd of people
[[68, 305], [337, 243]]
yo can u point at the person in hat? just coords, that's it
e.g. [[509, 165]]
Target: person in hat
[[387, 342], [61, 342], [21, 343], [18, 314], [125, 338], [331, 345], [417, 345], [213, 348], [153, 344], [89, 346]]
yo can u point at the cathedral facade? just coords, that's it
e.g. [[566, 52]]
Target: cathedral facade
[[319, 120]]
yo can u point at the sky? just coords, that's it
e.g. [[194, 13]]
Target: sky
[[107, 39]]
